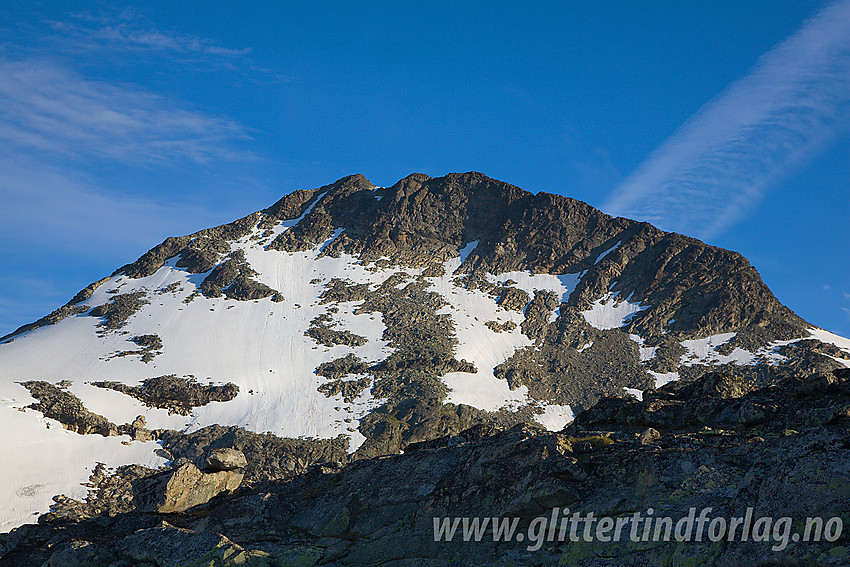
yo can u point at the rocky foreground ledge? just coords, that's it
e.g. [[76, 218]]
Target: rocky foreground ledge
[[717, 442]]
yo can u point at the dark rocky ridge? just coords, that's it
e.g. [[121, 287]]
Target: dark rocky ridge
[[704, 289], [73, 307]]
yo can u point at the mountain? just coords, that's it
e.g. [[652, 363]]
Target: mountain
[[350, 322]]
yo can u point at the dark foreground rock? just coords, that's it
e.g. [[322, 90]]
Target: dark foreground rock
[[686, 446]]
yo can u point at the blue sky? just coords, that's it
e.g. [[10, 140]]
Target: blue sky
[[121, 124]]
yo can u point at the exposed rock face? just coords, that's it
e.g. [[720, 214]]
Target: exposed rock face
[[718, 385], [169, 546]]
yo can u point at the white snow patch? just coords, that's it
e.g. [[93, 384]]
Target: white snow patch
[[356, 439], [663, 378], [646, 353], [831, 338], [584, 347], [768, 354], [610, 312], [470, 310], [555, 417], [561, 286], [704, 351], [601, 256], [635, 392]]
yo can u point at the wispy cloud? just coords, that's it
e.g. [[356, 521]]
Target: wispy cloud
[[47, 107], [762, 127], [130, 34]]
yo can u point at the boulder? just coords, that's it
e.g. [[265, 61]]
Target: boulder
[[649, 436], [185, 487], [224, 459]]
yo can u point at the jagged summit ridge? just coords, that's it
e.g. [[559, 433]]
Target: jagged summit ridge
[[350, 321], [423, 220]]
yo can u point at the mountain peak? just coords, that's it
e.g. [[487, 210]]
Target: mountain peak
[[350, 321]]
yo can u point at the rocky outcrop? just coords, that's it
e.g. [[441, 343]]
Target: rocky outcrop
[[321, 330], [269, 456], [234, 278], [57, 403], [120, 308], [151, 346], [169, 546], [171, 247], [176, 394]]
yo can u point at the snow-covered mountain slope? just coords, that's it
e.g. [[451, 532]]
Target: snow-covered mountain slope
[[377, 317]]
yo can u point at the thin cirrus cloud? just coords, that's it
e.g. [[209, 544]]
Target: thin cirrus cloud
[[61, 132], [130, 35], [704, 177], [47, 107]]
